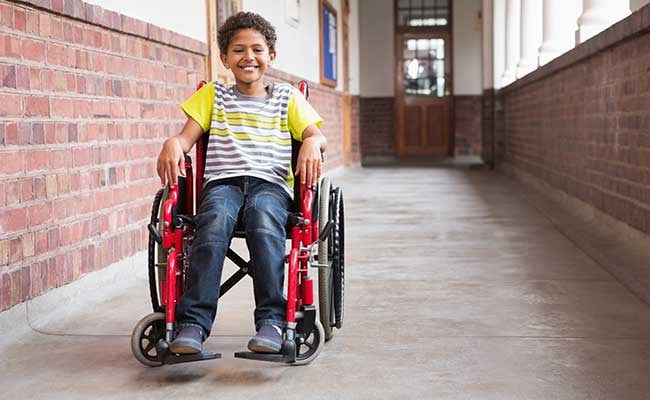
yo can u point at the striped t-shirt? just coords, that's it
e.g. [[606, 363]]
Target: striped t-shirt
[[251, 136]]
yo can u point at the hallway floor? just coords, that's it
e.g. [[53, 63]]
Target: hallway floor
[[461, 284]]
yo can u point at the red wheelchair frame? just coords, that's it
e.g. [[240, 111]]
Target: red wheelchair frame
[[154, 333]]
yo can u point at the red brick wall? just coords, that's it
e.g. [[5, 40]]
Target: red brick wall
[[468, 132], [581, 123], [87, 97], [377, 127]]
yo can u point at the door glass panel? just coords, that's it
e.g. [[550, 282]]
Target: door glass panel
[[423, 13], [424, 67]]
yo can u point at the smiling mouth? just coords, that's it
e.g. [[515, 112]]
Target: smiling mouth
[[249, 68]]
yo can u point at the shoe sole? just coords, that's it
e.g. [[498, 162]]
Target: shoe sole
[[185, 348], [260, 346]]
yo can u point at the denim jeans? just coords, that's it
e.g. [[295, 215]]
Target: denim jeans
[[264, 209]]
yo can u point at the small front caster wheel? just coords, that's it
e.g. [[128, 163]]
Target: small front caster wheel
[[146, 337]]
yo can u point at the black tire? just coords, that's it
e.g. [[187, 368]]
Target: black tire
[[337, 248], [147, 333], [325, 279], [308, 347], [157, 255]]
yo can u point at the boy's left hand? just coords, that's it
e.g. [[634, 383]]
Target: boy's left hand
[[310, 164]]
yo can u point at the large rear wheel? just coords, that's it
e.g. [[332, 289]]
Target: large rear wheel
[[325, 278], [337, 254], [157, 253]]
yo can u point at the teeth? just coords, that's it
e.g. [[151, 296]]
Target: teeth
[[248, 68]]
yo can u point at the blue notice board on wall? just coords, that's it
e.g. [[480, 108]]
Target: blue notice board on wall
[[328, 46]]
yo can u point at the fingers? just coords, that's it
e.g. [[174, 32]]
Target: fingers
[[181, 167], [161, 172]]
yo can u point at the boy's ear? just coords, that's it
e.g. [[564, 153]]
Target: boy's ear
[[224, 60], [271, 55]]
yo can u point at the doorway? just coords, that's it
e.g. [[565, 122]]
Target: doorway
[[423, 78]]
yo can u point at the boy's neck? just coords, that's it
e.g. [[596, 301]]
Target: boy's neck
[[257, 89]]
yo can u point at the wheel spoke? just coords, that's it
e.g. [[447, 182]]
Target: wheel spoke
[[150, 346]]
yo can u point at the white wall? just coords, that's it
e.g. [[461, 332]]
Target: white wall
[[187, 18], [297, 46], [376, 48], [353, 40], [636, 4], [467, 47]]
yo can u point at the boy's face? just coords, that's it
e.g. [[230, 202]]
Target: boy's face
[[248, 56]]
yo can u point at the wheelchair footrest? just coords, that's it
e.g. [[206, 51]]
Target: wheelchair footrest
[[273, 357], [172, 358]]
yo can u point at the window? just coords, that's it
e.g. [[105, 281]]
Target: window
[[415, 13]]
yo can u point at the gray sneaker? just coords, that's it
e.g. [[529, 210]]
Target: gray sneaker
[[188, 341], [267, 340]]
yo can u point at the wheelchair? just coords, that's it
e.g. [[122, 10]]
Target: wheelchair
[[316, 230]]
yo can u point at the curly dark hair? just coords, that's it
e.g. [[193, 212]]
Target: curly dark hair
[[245, 20]]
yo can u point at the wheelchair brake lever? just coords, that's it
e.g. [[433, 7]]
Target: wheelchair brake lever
[[155, 233], [327, 229], [182, 220]]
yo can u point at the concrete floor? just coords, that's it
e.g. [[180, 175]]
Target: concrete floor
[[460, 284]]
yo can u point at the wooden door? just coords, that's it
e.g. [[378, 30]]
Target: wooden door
[[423, 94]]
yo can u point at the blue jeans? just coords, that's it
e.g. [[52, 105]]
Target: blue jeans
[[264, 209]]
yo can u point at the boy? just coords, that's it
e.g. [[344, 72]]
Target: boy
[[247, 172]]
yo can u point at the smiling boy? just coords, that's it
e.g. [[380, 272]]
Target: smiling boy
[[247, 173]]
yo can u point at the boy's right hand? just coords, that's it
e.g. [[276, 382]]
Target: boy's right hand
[[171, 162]]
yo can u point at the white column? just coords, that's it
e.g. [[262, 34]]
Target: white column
[[531, 36], [499, 42], [560, 23], [488, 45], [513, 15], [598, 15]]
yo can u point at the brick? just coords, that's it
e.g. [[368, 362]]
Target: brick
[[6, 15], [37, 160], [38, 133], [39, 214], [15, 250], [4, 252], [35, 82], [28, 244], [45, 25], [13, 220], [57, 6], [15, 287], [27, 189], [53, 239], [33, 50], [22, 77], [32, 22], [57, 54], [36, 279], [11, 133], [11, 105], [38, 106], [40, 242], [51, 186], [6, 291], [12, 162], [61, 107], [8, 76]]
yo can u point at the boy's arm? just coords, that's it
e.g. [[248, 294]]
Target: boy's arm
[[171, 160], [310, 162]]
